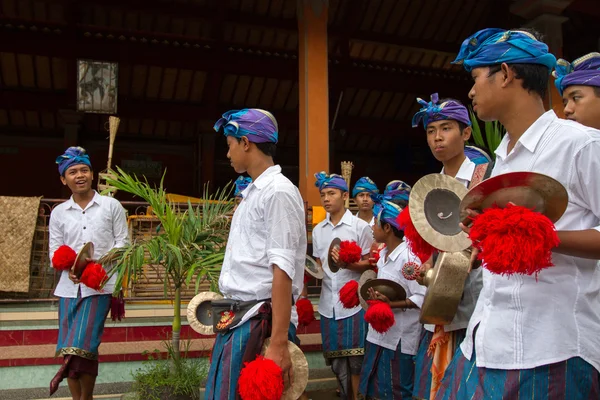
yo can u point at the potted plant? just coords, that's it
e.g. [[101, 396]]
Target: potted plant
[[190, 244], [170, 378]]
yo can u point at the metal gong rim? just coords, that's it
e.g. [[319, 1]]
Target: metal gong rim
[[434, 207], [536, 191]]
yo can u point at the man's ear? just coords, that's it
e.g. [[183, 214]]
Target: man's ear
[[245, 143], [63, 180], [345, 195], [508, 74], [466, 133]]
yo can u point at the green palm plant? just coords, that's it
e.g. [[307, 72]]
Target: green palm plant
[[494, 131], [190, 243]]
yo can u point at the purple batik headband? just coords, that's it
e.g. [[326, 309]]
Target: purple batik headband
[[325, 180], [583, 71], [259, 126], [433, 111]]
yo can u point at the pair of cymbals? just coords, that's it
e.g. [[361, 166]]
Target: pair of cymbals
[[86, 252], [392, 290], [438, 203]]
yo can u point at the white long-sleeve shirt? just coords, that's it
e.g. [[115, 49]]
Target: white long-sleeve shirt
[[268, 228], [102, 222], [524, 322]]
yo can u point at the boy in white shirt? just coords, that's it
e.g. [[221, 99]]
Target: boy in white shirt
[[534, 336], [343, 330], [388, 368], [85, 217]]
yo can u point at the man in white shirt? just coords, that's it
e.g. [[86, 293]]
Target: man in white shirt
[[264, 258], [85, 217], [362, 191], [343, 330], [448, 129], [388, 368], [534, 336], [579, 85]]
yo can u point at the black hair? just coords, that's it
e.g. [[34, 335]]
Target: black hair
[[596, 90], [397, 232], [534, 76], [268, 148]]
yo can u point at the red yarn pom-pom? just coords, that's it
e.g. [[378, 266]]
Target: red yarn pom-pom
[[380, 316], [306, 312], [93, 276], [514, 240], [350, 252], [415, 242], [63, 258], [261, 379], [349, 294]]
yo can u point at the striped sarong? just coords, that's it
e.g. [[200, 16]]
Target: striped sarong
[[81, 324], [80, 327], [226, 360], [424, 361], [386, 374], [573, 379], [344, 337]]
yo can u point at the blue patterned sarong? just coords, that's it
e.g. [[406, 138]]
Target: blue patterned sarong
[[423, 362], [344, 337], [386, 374], [573, 379], [81, 324], [226, 360]]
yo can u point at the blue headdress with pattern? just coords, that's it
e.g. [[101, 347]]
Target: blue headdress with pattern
[[74, 155], [259, 126], [241, 183], [493, 46], [385, 209], [434, 111], [583, 71], [364, 184], [325, 180]]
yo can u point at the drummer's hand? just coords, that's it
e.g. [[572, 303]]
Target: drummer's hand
[[281, 355], [73, 277], [335, 255], [374, 295], [422, 272], [471, 214], [474, 253]]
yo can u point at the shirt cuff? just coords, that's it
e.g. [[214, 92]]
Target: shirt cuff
[[417, 299], [597, 228], [284, 259]]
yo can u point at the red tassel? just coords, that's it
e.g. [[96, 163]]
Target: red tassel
[[514, 240], [261, 379], [380, 316], [306, 312], [349, 294], [306, 278], [415, 242], [350, 252], [117, 307], [93, 276], [63, 258]]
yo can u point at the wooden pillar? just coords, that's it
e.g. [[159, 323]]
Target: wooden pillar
[[314, 95]]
